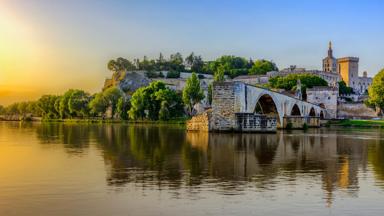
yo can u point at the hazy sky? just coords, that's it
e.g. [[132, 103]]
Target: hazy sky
[[48, 46]]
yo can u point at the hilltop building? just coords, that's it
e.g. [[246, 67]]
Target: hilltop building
[[348, 69], [330, 62]]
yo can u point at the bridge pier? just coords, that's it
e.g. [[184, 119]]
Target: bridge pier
[[298, 122]]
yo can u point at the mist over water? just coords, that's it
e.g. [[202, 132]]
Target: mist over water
[[116, 169]]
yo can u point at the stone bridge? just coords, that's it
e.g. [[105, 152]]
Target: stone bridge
[[243, 107]]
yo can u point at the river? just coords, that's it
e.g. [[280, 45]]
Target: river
[[116, 169]]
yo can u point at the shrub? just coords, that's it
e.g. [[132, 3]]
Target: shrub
[[173, 74]]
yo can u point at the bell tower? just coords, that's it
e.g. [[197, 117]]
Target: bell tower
[[330, 62], [330, 51]]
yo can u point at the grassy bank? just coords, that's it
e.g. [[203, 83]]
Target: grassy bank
[[358, 123]]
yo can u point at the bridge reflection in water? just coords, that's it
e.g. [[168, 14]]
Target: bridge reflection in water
[[168, 157]]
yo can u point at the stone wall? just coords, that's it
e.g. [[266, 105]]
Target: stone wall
[[355, 110], [223, 106], [200, 122], [324, 96], [298, 121], [251, 122]]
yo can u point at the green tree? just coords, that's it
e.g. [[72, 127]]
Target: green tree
[[147, 102], [231, 65], [46, 104], [289, 82], [63, 105], [196, 63], [78, 103], [173, 74], [261, 67], [176, 62], [192, 93], [2, 110], [210, 93], [98, 104], [120, 64], [138, 105], [164, 113], [112, 96], [219, 74], [22, 108], [344, 89], [376, 91], [122, 108]]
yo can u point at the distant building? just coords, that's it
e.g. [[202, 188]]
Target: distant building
[[330, 62], [331, 78], [326, 97], [253, 79], [348, 68]]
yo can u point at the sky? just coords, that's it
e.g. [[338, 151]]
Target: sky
[[49, 46]]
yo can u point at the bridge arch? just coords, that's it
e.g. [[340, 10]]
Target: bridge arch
[[266, 105], [295, 111], [312, 112], [321, 114]]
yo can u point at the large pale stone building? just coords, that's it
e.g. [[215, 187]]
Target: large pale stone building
[[348, 69]]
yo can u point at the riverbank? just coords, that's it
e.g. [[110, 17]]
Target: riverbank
[[358, 123], [180, 121]]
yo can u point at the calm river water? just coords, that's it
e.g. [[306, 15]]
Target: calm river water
[[80, 169]]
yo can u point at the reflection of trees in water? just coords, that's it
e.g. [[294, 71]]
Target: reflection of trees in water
[[75, 137], [165, 156], [376, 159]]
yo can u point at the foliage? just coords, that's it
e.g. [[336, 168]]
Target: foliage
[[78, 103], [120, 64], [289, 82], [152, 74], [173, 74], [63, 104], [210, 93], [219, 75], [376, 91], [46, 104], [74, 103], [261, 67], [155, 102], [2, 110], [98, 104], [109, 98], [195, 63], [112, 95], [344, 89], [230, 65], [122, 108], [192, 93]]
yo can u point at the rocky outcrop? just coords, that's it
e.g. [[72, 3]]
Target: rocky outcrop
[[127, 81]]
